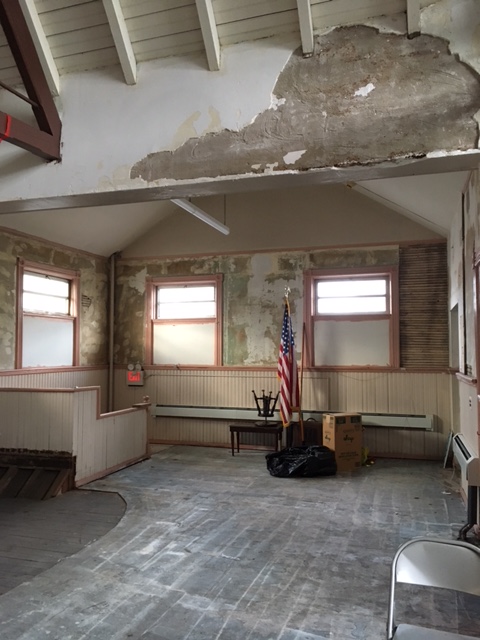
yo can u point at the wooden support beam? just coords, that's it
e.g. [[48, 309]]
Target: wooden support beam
[[26, 137], [41, 46], [413, 18], [121, 37], [306, 26], [209, 33], [45, 141]]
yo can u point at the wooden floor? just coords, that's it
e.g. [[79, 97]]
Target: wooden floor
[[211, 547], [35, 535]]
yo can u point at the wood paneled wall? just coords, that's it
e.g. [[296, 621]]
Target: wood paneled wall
[[69, 420], [406, 393], [58, 379], [104, 443]]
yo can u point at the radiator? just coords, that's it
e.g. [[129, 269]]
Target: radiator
[[467, 460], [399, 421]]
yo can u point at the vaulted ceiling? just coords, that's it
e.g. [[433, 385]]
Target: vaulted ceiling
[[72, 36]]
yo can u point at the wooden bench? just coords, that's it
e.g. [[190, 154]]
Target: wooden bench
[[275, 429]]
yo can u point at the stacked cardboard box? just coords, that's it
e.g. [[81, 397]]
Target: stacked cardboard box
[[342, 432]]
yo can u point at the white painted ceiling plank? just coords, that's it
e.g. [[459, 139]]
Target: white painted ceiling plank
[[413, 17], [209, 33], [306, 26], [41, 46], [122, 41]]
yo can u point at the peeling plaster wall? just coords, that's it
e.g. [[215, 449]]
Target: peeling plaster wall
[[93, 285], [363, 98], [253, 290]]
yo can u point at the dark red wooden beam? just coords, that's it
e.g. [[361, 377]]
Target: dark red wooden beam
[[44, 141]]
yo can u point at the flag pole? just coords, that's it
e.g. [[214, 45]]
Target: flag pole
[[300, 413]]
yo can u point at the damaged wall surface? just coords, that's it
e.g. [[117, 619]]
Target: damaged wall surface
[[93, 293], [363, 97], [253, 289], [366, 103]]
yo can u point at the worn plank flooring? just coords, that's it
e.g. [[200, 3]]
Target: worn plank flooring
[[35, 535], [211, 547]]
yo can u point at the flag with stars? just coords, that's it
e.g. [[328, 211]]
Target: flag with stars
[[287, 371]]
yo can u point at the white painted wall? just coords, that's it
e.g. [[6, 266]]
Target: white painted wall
[[108, 125], [314, 216]]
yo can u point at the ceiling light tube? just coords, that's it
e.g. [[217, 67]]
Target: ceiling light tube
[[198, 213]]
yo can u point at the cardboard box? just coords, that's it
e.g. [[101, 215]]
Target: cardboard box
[[342, 432]]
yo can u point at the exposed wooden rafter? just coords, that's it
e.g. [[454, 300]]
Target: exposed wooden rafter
[[44, 141], [123, 44], [209, 33], [41, 45], [306, 26]]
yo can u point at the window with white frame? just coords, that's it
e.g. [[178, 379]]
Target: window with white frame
[[47, 318], [186, 321], [353, 318]]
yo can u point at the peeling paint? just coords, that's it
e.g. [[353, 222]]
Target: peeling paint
[[253, 290], [292, 156], [186, 130], [314, 107], [138, 281], [93, 284], [270, 167], [364, 91], [277, 102]]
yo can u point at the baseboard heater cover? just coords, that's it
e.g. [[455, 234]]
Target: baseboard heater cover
[[468, 460], [399, 421]]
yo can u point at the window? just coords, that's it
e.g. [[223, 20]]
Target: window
[[47, 326], [185, 321], [353, 318]]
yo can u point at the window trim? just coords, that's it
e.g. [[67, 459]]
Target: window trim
[[311, 316], [151, 320], [64, 274]]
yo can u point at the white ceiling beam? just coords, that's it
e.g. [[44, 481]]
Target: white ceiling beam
[[413, 18], [209, 33], [121, 37], [306, 26], [41, 46]]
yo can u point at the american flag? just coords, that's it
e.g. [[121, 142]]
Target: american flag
[[287, 371]]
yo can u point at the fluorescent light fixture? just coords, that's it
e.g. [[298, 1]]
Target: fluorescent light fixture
[[198, 213]]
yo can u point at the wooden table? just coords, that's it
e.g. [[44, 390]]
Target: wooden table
[[274, 428]]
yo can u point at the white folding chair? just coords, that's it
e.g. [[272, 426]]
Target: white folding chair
[[432, 562]]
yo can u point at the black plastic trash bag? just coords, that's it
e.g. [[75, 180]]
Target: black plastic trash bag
[[302, 462]]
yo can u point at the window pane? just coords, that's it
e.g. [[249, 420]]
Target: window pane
[[352, 305], [38, 303], [184, 310], [352, 287], [190, 344], [186, 302], [45, 294], [185, 294], [47, 342], [352, 295], [46, 284]]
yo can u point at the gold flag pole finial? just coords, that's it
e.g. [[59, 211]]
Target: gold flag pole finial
[[287, 293]]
